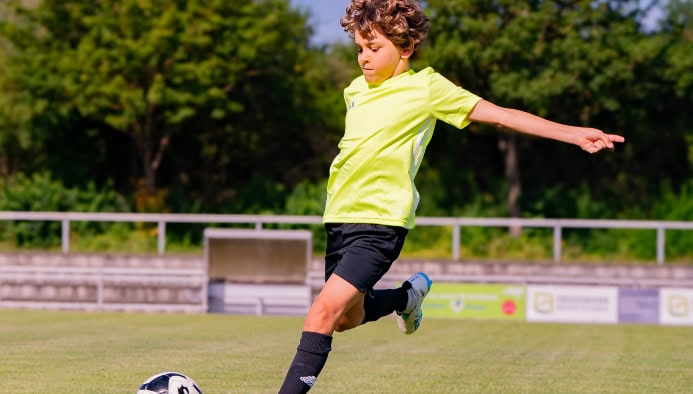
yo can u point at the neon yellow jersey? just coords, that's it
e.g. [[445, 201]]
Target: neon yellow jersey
[[387, 130]]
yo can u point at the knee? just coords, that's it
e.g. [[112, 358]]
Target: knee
[[321, 317]]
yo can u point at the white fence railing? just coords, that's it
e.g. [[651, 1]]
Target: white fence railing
[[260, 220]]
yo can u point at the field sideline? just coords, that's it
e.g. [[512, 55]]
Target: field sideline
[[104, 352]]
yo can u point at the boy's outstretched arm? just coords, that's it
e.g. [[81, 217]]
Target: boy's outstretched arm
[[589, 139]]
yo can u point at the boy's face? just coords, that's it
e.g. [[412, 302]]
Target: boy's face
[[379, 58]]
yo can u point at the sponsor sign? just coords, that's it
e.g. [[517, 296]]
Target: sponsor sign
[[572, 304], [476, 301], [638, 306], [676, 306]]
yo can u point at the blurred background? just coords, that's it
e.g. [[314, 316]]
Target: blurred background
[[165, 106]]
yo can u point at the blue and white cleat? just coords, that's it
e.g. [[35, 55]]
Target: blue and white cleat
[[410, 318]]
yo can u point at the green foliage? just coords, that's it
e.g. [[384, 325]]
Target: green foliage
[[309, 199], [40, 192], [579, 245], [201, 89], [259, 196], [428, 243], [626, 245], [128, 238], [221, 106], [576, 62], [677, 207]]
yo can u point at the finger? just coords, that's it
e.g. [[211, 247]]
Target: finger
[[594, 147], [616, 138], [605, 142]]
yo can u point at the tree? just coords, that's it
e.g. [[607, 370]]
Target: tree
[[158, 70], [679, 26], [15, 139], [577, 62]]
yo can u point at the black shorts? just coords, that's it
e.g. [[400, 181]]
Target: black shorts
[[362, 253]]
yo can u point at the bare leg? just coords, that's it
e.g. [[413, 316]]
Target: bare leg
[[339, 306]]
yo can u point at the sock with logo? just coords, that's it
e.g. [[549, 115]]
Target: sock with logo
[[379, 303], [310, 357]]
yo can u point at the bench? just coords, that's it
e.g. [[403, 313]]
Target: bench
[[258, 271]]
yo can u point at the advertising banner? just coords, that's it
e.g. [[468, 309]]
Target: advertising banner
[[638, 306], [476, 301], [676, 306], [572, 304]]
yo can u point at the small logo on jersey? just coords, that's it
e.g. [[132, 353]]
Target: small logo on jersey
[[352, 105], [309, 380]]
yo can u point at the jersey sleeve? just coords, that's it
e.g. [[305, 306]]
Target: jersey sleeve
[[450, 103]]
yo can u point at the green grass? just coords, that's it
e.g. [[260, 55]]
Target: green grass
[[95, 352]]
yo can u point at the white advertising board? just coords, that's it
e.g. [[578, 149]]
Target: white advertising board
[[676, 306], [572, 304]]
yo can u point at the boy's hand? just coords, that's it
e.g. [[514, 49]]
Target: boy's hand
[[593, 140]]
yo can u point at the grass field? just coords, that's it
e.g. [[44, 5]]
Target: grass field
[[95, 352]]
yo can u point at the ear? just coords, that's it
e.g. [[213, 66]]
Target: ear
[[408, 51]]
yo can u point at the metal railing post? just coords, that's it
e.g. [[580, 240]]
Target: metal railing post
[[455, 242], [161, 241], [65, 236], [660, 245], [557, 239]]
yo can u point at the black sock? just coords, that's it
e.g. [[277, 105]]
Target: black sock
[[379, 303], [310, 357]]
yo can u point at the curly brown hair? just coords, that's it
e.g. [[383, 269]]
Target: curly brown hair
[[402, 21]]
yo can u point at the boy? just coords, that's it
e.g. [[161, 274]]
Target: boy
[[371, 197]]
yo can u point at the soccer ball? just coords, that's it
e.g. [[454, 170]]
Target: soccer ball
[[169, 383]]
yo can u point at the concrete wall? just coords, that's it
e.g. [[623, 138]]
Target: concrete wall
[[103, 282], [625, 275], [180, 283]]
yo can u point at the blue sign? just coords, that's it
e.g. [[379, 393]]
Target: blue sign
[[638, 306]]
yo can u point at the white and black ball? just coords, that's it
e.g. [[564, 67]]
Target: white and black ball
[[169, 383]]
